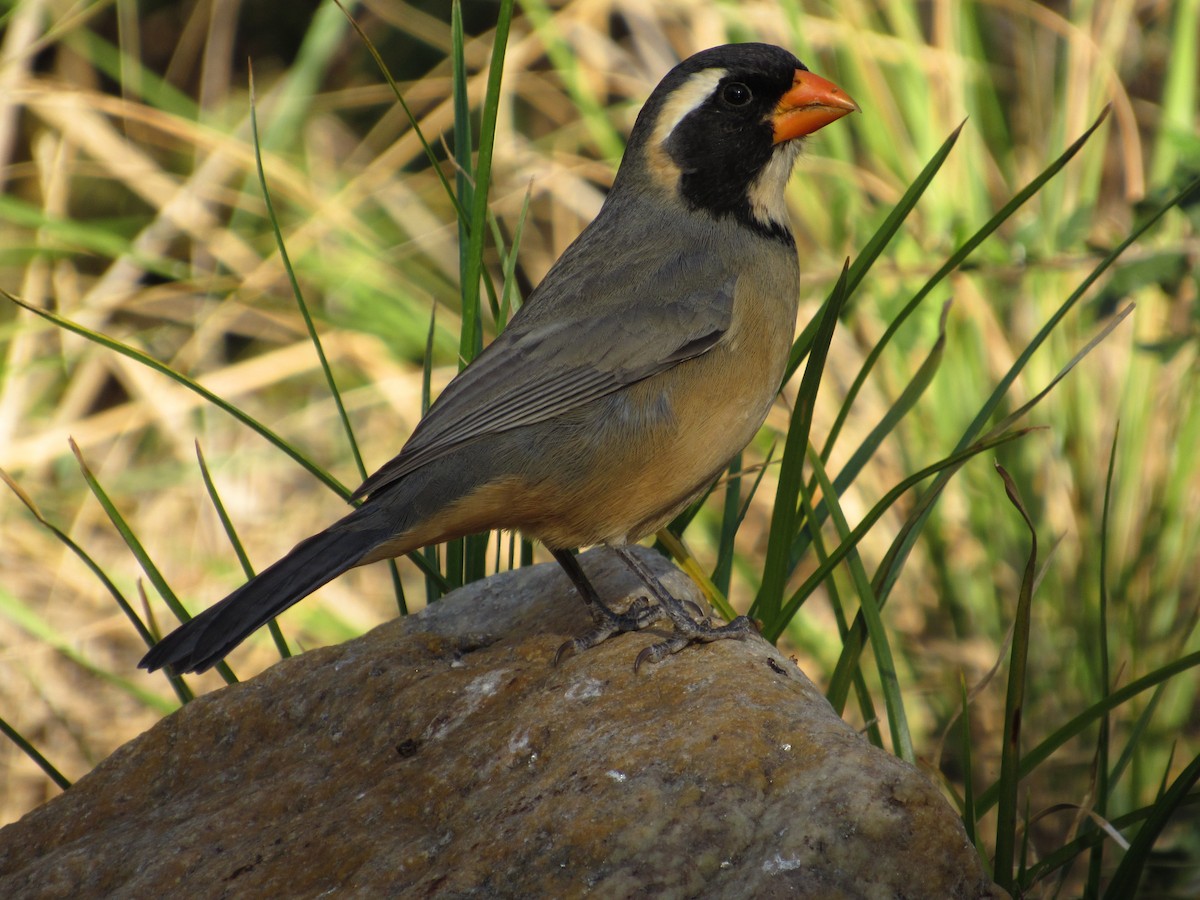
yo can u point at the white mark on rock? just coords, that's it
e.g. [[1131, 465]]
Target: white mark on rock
[[585, 689], [484, 685], [616, 776], [785, 747], [471, 698], [518, 743], [777, 864]]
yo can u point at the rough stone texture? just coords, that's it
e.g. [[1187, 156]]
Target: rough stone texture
[[444, 756]]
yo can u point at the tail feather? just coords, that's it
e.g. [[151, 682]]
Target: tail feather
[[202, 642]]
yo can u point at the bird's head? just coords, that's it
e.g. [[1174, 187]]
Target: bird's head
[[720, 132]]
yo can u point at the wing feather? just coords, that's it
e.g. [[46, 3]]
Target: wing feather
[[542, 367]]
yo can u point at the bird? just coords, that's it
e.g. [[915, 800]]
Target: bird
[[644, 361]]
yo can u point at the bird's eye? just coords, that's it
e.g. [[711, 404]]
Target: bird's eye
[[736, 94]]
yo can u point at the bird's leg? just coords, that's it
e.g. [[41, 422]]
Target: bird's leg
[[687, 629], [607, 622]]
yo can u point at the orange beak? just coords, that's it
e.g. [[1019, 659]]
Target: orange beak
[[811, 104]]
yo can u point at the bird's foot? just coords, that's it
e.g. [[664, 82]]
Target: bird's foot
[[606, 623], [693, 631], [689, 629], [690, 624]]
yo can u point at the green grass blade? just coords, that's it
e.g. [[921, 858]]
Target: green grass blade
[[839, 682], [434, 588], [969, 813], [150, 362], [1137, 734], [893, 699], [474, 551], [1070, 851], [301, 305], [1020, 412], [461, 212], [1077, 724], [861, 691], [315, 338], [733, 512], [510, 300], [722, 574], [322, 41], [956, 259], [117, 64], [472, 337], [889, 568], [230, 532], [182, 691], [31, 621], [903, 545], [83, 556], [84, 238], [1179, 100], [688, 563], [34, 754], [1014, 704], [871, 251], [193, 386], [1096, 860], [908, 398], [1111, 257], [777, 566], [879, 509], [1129, 871], [139, 552], [471, 333], [434, 163], [893, 562]]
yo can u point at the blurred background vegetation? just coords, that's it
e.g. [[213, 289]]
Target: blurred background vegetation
[[131, 205]]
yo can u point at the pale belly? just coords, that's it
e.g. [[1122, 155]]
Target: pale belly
[[657, 446]]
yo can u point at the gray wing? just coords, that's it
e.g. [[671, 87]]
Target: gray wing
[[544, 365]]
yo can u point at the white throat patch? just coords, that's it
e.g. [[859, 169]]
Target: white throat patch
[[767, 202]]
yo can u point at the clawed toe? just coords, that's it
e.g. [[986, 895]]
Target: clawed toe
[[641, 614], [660, 651], [692, 632], [690, 624], [575, 645]]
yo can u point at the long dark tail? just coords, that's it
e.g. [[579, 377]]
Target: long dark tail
[[201, 643]]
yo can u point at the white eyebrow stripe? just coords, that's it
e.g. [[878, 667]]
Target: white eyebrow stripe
[[685, 98]]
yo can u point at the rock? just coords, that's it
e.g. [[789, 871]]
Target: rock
[[444, 756]]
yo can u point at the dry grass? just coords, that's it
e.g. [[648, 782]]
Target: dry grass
[[134, 211]]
